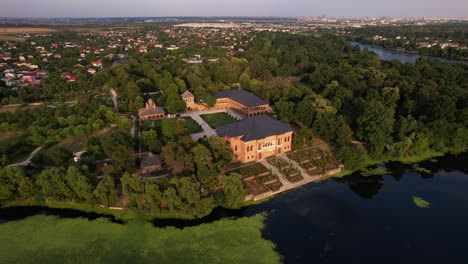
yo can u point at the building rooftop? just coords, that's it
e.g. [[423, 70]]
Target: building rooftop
[[150, 159], [242, 96], [187, 94], [150, 109], [254, 128]]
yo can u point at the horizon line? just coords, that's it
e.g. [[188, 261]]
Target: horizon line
[[240, 16]]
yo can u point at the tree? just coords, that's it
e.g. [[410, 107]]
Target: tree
[[105, 191], [53, 184], [10, 178], [285, 110], [78, 182], [375, 126], [233, 190], [206, 171], [149, 140], [176, 158], [153, 197], [220, 150], [188, 189], [352, 158], [133, 188]]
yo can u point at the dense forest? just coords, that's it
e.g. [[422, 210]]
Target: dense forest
[[366, 108]]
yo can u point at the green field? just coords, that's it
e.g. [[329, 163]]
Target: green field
[[218, 119], [49, 239]]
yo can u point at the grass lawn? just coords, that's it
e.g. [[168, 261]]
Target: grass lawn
[[191, 125], [14, 144], [75, 144], [250, 170], [49, 239], [12, 109], [218, 119]]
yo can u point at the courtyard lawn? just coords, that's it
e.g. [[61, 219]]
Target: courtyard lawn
[[49, 239], [218, 119], [192, 126]]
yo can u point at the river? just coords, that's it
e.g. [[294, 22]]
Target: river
[[386, 54], [357, 219]]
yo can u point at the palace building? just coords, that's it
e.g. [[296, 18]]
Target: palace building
[[242, 102], [151, 111], [238, 100], [257, 138]]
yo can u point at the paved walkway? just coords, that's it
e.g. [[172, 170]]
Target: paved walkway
[[132, 129], [114, 98], [207, 130], [27, 161]]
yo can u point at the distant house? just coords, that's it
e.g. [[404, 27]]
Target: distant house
[[193, 61], [9, 82], [172, 47], [72, 78], [150, 162], [91, 71], [151, 111], [65, 75], [42, 73], [257, 138], [242, 102], [97, 64]]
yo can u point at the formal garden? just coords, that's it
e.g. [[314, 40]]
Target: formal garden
[[257, 178], [291, 173], [314, 160]]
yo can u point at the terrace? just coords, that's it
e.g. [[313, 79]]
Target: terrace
[[258, 180]]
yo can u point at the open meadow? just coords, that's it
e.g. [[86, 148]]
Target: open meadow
[[49, 239]]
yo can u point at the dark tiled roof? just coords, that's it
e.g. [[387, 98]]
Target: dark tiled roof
[[254, 128], [241, 96], [150, 159], [151, 111]]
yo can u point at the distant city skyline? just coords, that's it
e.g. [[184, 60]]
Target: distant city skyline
[[276, 8]]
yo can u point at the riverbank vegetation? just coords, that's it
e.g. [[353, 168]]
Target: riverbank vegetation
[[446, 41], [51, 239]]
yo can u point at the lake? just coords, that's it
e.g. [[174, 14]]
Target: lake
[[386, 54], [359, 219]]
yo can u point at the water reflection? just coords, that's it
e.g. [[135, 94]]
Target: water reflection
[[364, 186], [386, 54]]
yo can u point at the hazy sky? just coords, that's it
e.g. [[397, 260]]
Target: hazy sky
[[337, 8]]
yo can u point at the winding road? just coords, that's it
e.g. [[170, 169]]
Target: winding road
[[27, 161]]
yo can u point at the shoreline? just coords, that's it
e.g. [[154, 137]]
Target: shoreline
[[127, 214], [459, 60]]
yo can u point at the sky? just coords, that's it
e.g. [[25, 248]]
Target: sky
[[281, 8]]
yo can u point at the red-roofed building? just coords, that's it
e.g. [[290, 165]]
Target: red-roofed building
[[72, 79], [65, 75], [97, 63]]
